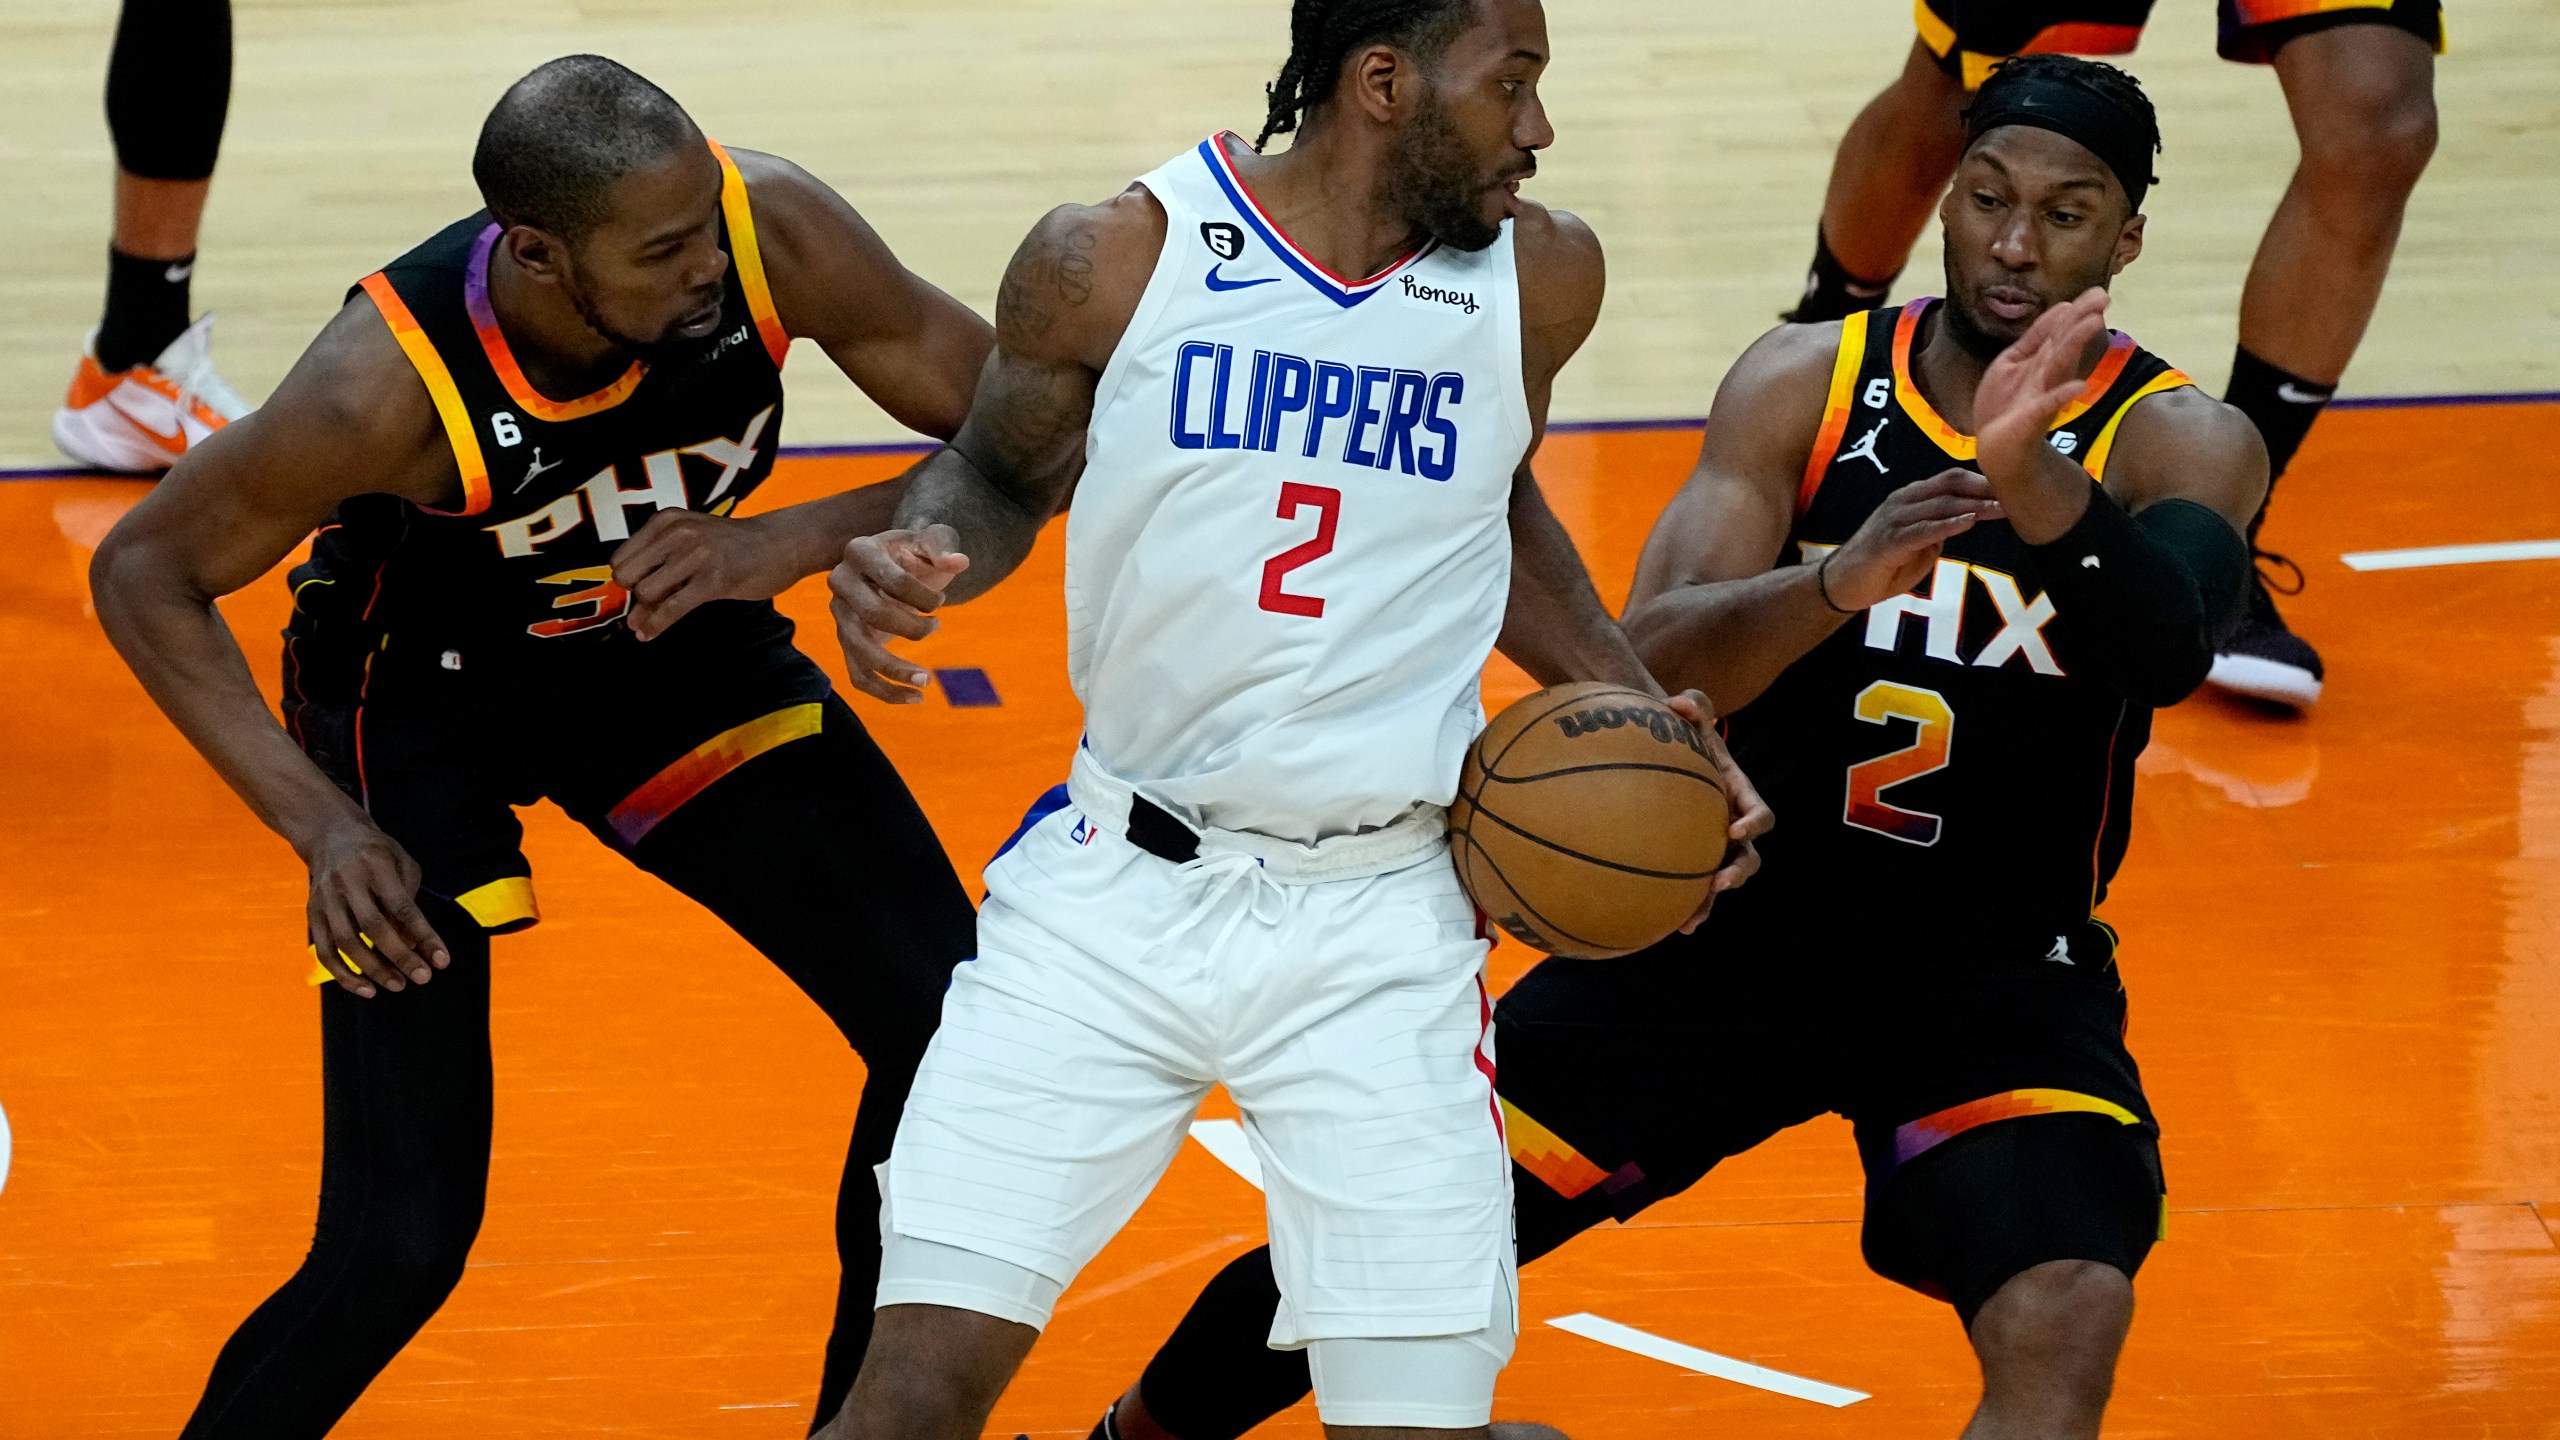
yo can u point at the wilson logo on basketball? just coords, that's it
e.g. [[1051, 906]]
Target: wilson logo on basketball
[[1595, 836], [1661, 724]]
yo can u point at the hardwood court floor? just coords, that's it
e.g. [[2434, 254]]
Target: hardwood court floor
[[1694, 137], [2343, 941]]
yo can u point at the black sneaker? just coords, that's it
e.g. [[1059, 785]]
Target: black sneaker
[[2262, 659]]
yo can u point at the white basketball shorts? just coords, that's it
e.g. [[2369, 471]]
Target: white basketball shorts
[[1336, 990]]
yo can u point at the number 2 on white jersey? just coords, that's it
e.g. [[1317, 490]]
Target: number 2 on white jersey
[[1926, 755], [1327, 503]]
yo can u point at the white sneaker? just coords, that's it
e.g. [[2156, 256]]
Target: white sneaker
[[142, 419]]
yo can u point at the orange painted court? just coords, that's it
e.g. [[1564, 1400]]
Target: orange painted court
[[2342, 938]]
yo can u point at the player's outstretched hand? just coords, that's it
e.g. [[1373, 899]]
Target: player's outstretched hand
[[1751, 818], [888, 585], [366, 927], [1899, 543], [2027, 385], [682, 558]]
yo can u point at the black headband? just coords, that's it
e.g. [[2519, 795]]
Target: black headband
[[2117, 137]]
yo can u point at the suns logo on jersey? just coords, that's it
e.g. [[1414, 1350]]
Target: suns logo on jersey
[[603, 499], [1941, 611]]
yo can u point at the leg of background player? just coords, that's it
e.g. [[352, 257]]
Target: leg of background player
[[147, 373], [938, 1375], [1887, 176], [2363, 102], [816, 855], [403, 1174], [2048, 1342], [1217, 1376]]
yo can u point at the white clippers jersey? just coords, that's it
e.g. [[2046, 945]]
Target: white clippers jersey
[[1290, 552]]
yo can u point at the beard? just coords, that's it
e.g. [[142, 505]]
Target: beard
[[1433, 180], [669, 353], [1970, 334]]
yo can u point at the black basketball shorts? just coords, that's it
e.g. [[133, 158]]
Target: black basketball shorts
[[442, 759], [1970, 37], [1999, 1117]]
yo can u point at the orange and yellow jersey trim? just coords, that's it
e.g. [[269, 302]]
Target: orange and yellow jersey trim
[[1845, 364], [748, 256], [1556, 1164], [502, 357], [2075, 37], [1956, 443], [503, 905], [440, 388], [2268, 12], [1543, 1153], [1918, 1137], [668, 790], [2095, 462]]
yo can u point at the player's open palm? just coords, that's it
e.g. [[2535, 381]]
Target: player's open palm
[[887, 587], [1895, 549], [366, 927], [2027, 385]]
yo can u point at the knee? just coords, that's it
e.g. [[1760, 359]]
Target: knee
[[411, 1256], [2371, 142], [1925, 92], [2048, 1342]]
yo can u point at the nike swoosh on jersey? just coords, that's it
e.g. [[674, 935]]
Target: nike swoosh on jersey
[[1213, 282]]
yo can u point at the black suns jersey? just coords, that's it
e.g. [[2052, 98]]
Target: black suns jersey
[[1941, 767], [516, 581]]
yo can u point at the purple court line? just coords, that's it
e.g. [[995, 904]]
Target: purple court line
[[1560, 427]]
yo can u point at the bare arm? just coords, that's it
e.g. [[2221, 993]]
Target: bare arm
[[1554, 625], [970, 512], [913, 349], [350, 417], [1713, 607]]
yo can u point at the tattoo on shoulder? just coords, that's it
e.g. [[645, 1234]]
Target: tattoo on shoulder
[[1058, 270]]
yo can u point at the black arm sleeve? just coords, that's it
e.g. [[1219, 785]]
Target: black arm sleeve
[[2143, 599]]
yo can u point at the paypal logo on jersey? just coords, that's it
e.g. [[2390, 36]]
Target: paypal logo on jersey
[[1374, 416]]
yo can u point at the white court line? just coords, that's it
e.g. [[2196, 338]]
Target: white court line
[[2452, 555], [1225, 1139], [4, 1149], [1705, 1362]]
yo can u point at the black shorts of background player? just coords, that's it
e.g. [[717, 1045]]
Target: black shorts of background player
[[485, 621], [1946, 672], [2358, 76]]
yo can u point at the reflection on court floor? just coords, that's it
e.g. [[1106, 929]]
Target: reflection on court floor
[[2342, 939]]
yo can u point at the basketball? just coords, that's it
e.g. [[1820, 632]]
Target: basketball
[[1589, 820]]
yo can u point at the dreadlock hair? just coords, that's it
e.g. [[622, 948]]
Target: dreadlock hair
[[1324, 33], [557, 140]]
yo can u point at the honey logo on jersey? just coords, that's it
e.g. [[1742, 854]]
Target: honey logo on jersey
[[1378, 417], [1941, 611], [1460, 299]]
